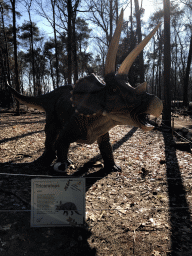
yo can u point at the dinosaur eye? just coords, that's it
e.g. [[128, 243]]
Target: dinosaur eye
[[112, 90]]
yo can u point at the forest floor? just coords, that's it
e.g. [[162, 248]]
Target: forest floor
[[146, 209]]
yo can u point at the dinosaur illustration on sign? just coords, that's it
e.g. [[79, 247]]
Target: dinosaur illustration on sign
[[67, 208]]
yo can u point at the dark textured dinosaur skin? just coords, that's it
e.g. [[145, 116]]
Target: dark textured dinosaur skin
[[64, 126], [122, 104]]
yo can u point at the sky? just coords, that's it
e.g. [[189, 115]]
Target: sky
[[150, 7], [46, 30]]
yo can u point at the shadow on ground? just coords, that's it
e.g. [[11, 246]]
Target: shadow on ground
[[19, 238], [75, 239], [93, 177], [181, 229]]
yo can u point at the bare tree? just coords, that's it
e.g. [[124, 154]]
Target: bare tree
[[131, 75], [15, 53], [74, 40], [111, 20], [167, 65], [104, 15], [186, 80], [28, 6], [52, 20], [188, 7], [69, 39], [53, 3], [4, 47], [141, 64], [69, 18]]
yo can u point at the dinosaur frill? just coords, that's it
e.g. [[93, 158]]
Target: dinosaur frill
[[88, 96]]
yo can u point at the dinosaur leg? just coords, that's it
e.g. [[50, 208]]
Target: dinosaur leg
[[49, 154], [62, 146], [62, 151], [107, 152], [68, 134]]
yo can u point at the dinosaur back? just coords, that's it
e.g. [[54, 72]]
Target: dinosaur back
[[43, 102]]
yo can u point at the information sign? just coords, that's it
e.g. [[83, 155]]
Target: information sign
[[57, 202]]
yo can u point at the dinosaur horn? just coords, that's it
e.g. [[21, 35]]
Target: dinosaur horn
[[127, 63], [112, 52]]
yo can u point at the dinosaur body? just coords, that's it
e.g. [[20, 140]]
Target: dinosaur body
[[86, 112]]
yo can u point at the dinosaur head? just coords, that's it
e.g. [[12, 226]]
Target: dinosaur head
[[114, 97], [126, 104], [130, 106]]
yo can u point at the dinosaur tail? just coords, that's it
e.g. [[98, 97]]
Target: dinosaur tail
[[33, 102]]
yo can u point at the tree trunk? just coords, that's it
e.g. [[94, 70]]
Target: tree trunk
[[55, 39], [153, 72], [52, 76], [160, 63], [74, 45], [15, 54], [167, 65], [131, 75], [175, 78], [7, 73], [75, 52], [186, 80], [111, 21], [69, 41], [141, 64], [116, 10], [32, 50]]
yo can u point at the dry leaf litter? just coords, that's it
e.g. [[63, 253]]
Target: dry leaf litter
[[127, 213]]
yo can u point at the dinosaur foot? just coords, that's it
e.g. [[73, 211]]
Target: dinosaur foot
[[113, 168], [61, 167], [45, 160]]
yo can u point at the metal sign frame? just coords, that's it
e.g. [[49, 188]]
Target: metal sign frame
[[57, 202]]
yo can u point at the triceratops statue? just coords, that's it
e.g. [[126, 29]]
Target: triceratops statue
[[86, 112]]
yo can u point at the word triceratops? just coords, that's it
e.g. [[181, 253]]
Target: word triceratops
[[85, 112]]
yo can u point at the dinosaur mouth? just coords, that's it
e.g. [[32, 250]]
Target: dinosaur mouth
[[147, 121]]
